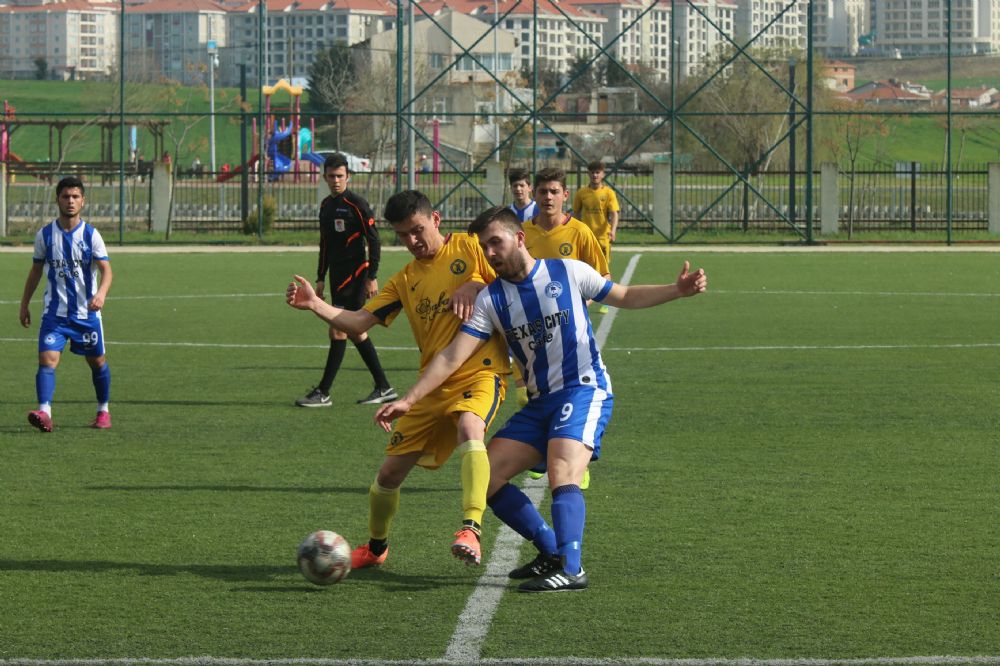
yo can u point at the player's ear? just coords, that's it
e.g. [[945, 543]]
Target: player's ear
[[436, 218]]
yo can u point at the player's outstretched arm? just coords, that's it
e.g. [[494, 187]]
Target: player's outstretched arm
[[647, 295], [301, 296], [441, 367]]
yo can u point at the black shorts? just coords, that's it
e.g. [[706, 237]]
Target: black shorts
[[352, 296]]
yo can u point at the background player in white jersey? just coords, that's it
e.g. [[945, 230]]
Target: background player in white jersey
[[72, 254], [539, 306], [520, 189]]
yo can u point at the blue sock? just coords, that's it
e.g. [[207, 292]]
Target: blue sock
[[45, 384], [513, 507], [102, 382], [569, 511]]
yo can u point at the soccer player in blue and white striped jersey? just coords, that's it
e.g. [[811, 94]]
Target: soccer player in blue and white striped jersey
[[73, 257], [520, 189], [540, 306]]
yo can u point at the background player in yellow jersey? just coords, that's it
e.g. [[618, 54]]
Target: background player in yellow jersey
[[553, 234], [457, 414], [597, 206]]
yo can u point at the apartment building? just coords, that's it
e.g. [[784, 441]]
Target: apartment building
[[838, 25], [920, 27], [454, 82], [296, 30], [170, 38], [772, 24], [73, 39]]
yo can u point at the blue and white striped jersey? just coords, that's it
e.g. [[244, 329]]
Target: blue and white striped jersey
[[526, 213], [545, 321], [72, 274]]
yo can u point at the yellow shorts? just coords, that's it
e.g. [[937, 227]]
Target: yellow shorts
[[431, 425], [605, 244]]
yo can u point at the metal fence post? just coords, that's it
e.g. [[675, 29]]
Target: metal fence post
[[993, 197], [829, 198], [3, 199]]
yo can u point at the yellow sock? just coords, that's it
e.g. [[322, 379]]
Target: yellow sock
[[382, 505], [522, 395], [475, 479]]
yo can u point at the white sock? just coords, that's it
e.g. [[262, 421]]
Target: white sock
[[47, 408], [102, 407]]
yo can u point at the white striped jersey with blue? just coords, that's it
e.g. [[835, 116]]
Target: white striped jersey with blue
[[526, 213], [72, 274], [545, 321]]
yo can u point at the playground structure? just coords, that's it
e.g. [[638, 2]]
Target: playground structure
[[9, 124], [282, 132]]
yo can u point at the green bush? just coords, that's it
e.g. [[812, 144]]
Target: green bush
[[270, 207]]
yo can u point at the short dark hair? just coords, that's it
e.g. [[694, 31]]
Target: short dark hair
[[502, 214], [67, 182], [515, 174], [549, 174], [403, 205], [336, 161], [596, 165]]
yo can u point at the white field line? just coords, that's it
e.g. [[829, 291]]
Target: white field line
[[474, 622], [226, 345], [740, 292], [626, 249], [929, 660]]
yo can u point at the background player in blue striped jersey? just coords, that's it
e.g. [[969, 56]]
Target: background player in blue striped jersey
[[540, 305], [520, 189], [72, 254]]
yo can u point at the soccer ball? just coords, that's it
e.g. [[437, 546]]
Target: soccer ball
[[324, 557]]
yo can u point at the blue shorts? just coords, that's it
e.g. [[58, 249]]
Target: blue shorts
[[86, 336], [578, 413]]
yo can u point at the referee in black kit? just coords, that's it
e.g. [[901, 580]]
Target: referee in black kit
[[349, 249]]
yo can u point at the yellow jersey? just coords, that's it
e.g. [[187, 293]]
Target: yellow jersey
[[423, 289], [569, 240], [593, 206]]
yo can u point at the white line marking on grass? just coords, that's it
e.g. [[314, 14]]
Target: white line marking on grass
[[739, 292], [930, 660], [227, 345], [474, 622], [956, 345], [170, 297], [791, 292]]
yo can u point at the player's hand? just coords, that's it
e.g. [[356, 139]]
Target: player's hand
[[371, 287], [319, 289], [390, 411], [689, 283], [300, 294], [25, 316], [96, 303], [463, 301]]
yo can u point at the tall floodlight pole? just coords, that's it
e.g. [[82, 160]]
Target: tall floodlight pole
[[496, 82], [213, 62], [411, 176]]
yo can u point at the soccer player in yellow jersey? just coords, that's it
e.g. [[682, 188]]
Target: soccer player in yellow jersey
[[553, 234], [457, 414], [597, 206]]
